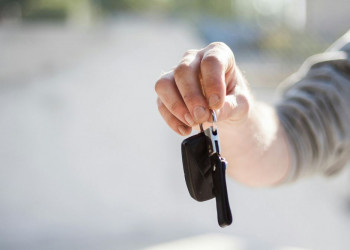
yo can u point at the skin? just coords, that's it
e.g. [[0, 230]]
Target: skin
[[252, 139]]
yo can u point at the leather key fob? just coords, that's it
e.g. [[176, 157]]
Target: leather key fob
[[205, 169], [197, 167]]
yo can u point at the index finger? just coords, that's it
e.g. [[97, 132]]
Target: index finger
[[217, 60]]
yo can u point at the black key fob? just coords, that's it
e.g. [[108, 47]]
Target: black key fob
[[197, 167], [220, 190], [205, 169]]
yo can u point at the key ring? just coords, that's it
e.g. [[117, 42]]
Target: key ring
[[212, 135], [214, 121], [213, 114]]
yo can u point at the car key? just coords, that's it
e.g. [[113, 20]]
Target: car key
[[204, 170]]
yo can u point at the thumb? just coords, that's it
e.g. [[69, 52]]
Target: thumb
[[237, 102]]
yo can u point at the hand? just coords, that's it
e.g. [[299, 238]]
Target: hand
[[205, 78], [251, 137]]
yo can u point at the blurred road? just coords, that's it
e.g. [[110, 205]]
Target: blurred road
[[87, 163]]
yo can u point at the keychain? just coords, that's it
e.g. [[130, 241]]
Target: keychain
[[204, 170]]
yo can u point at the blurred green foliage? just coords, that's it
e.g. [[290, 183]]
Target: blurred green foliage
[[38, 9], [227, 20], [215, 8], [57, 9]]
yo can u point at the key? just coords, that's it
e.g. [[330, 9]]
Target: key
[[205, 169], [218, 165]]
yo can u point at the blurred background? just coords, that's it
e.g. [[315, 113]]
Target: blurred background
[[86, 161]]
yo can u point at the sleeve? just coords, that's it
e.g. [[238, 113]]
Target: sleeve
[[315, 112]]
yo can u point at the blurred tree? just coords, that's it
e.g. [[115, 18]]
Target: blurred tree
[[221, 8], [110, 6], [44, 9], [11, 7], [60, 9]]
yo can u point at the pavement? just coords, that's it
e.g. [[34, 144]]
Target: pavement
[[86, 161]]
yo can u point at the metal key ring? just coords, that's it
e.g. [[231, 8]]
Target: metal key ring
[[214, 121], [213, 114]]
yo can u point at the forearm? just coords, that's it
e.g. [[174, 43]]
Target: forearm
[[256, 149]]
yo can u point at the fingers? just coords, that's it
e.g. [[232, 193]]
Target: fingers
[[186, 76], [173, 122], [216, 63], [172, 100], [202, 80]]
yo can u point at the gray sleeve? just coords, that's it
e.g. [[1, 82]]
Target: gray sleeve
[[315, 112]]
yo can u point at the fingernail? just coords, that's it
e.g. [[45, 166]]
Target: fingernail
[[189, 119], [199, 113], [182, 130], [213, 100]]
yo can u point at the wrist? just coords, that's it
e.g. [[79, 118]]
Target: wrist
[[255, 147]]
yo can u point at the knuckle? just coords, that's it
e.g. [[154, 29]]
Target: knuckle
[[214, 84], [220, 46], [190, 52], [188, 99], [192, 100], [175, 107], [214, 88], [210, 59], [181, 70], [160, 85]]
